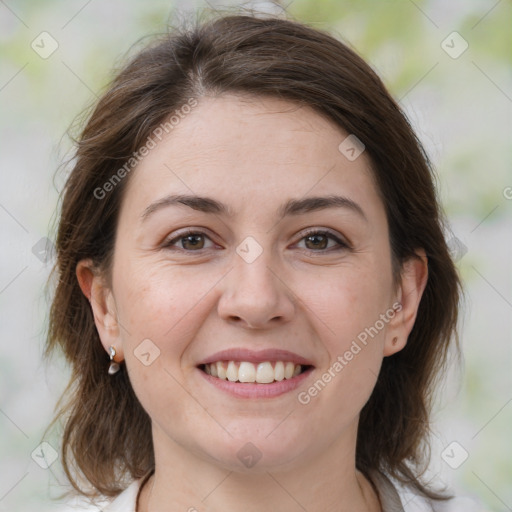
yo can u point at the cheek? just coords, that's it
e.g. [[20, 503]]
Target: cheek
[[156, 299], [348, 320], [159, 308], [347, 301], [166, 306], [348, 306]]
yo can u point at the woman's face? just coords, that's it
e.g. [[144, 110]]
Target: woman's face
[[253, 276]]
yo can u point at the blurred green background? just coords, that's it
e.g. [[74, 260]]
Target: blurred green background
[[460, 106]]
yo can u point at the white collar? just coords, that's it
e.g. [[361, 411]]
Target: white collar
[[389, 497], [394, 497]]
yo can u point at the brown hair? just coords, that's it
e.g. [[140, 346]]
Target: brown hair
[[107, 434]]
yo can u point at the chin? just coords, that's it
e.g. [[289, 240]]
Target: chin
[[255, 453]]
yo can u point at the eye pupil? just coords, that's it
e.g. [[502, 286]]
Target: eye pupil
[[190, 239], [316, 237]]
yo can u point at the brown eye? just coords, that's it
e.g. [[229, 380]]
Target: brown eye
[[190, 241], [318, 241]]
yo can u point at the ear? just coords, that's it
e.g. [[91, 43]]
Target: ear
[[413, 280], [100, 296]]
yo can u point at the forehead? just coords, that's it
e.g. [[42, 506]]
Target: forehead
[[248, 152]]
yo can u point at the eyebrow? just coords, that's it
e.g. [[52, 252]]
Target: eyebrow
[[290, 208]]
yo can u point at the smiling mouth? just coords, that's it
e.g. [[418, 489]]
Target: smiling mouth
[[265, 372]]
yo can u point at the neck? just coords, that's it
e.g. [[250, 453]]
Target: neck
[[327, 482]]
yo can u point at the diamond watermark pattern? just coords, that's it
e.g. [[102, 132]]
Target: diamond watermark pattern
[[249, 455], [44, 250], [351, 147], [44, 45], [44, 455], [249, 250], [457, 248], [146, 352], [454, 455], [454, 45]]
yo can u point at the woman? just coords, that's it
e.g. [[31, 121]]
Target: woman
[[254, 290]]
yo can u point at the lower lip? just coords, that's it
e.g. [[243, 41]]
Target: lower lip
[[254, 389]]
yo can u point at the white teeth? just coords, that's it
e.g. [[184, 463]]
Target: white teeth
[[288, 370], [246, 372], [279, 371], [232, 372], [243, 371], [265, 373], [221, 372]]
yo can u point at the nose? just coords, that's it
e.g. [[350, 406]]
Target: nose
[[255, 295]]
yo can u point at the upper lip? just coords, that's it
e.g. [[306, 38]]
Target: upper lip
[[252, 356]]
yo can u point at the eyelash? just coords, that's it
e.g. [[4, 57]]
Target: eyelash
[[341, 244]]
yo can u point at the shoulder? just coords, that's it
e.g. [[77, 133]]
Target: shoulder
[[124, 502], [412, 501]]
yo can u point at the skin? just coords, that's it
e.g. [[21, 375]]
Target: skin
[[252, 154]]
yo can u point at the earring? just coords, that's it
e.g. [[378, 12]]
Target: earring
[[114, 367], [394, 340]]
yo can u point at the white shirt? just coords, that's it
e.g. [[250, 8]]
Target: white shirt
[[393, 496]]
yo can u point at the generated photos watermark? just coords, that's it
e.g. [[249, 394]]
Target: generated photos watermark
[[151, 142], [361, 341]]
